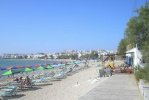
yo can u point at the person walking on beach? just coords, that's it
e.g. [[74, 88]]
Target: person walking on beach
[[22, 80], [101, 72], [109, 71], [105, 72], [27, 81]]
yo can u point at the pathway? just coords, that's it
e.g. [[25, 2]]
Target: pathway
[[118, 87]]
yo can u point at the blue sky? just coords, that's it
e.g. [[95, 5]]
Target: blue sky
[[30, 26]]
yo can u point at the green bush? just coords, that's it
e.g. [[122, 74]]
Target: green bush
[[142, 73], [139, 74]]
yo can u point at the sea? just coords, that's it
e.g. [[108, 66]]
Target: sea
[[6, 63]]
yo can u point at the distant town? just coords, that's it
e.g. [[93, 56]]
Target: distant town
[[67, 54]]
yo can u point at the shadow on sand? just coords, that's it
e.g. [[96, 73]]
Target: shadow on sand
[[12, 97], [29, 89], [52, 80], [44, 84]]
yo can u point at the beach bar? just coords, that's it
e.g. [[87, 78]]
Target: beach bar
[[134, 57]]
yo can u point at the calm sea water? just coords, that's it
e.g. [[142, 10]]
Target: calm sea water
[[23, 62]]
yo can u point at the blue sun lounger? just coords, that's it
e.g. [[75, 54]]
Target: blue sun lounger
[[8, 91], [60, 75]]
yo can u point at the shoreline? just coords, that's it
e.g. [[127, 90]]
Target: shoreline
[[40, 59], [28, 62]]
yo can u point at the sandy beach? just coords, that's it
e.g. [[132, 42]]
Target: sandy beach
[[70, 88]]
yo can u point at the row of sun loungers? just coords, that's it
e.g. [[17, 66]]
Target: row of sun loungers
[[62, 73]]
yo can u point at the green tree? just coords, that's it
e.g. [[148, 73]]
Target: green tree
[[122, 46], [137, 32], [94, 55], [86, 56], [138, 27], [73, 56]]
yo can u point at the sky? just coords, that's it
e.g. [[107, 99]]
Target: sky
[[31, 26]]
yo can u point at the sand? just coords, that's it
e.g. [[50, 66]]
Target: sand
[[70, 88]]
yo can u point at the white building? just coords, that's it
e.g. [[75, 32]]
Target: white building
[[134, 57], [79, 55], [39, 55]]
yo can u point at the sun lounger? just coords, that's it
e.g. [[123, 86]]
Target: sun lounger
[[59, 76], [8, 91], [41, 80], [14, 84]]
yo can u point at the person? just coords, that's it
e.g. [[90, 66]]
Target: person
[[27, 81], [22, 80], [16, 79], [107, 71], [100, 72], [70, 70], [110, 70], [33, 77], [86, 63]]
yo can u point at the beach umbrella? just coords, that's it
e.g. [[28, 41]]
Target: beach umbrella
[[14, 67], [59, 65], [70, 63], [9, 68], [20, 67], [28, 70], [37, 65], [49, 67], [9, 72], [12, 71], [55, 65], [15, 71], [3, 68], [33, 67], [40, 68]]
